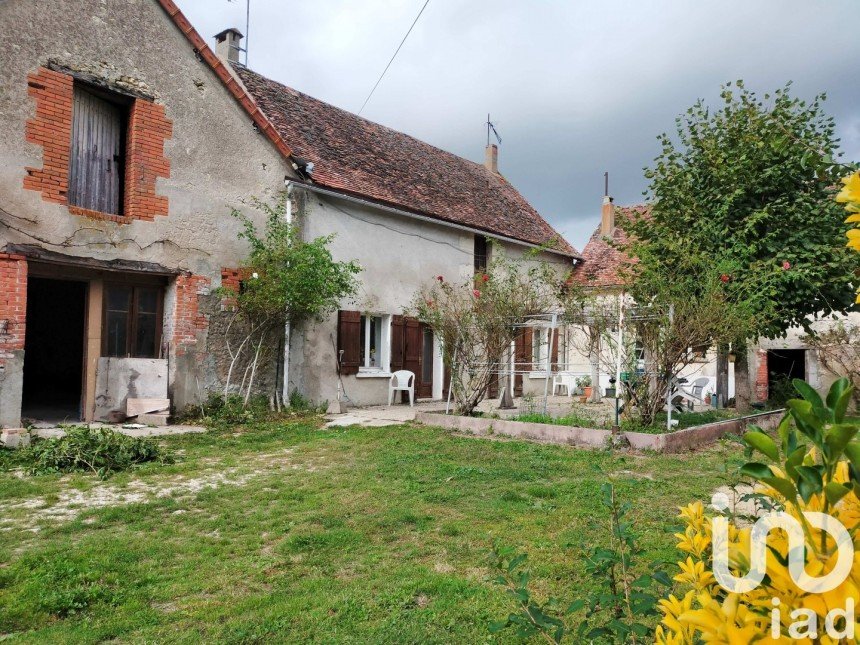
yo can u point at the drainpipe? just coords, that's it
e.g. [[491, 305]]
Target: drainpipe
[[285, 394]]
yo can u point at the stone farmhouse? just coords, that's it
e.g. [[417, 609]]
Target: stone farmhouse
[[127, 140]]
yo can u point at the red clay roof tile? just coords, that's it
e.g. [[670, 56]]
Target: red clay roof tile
[[357, 156]]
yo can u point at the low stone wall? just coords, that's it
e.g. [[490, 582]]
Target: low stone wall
[[677, 441]]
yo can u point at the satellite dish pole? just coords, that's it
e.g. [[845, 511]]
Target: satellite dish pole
[[492, 127], [247, 28]]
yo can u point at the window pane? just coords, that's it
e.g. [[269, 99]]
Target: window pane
[[119, 298], [147, 325], [375, 341], [117, 333], [147, 301]]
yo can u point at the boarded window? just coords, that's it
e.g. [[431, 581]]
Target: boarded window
[[97, 157], [132, 321]]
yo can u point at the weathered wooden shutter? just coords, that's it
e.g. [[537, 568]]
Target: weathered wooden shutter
[[349, 341], [95, 164], [398, 340], [412, 346], [554, 352]]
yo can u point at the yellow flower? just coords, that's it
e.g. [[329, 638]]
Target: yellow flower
[[854, 239], [851, 190], [694, 573]]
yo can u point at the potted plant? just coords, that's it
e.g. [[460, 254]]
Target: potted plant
[[583, 384]]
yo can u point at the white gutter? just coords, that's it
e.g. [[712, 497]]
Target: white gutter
[[424, 218]]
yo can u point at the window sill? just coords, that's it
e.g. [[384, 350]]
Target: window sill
[[540, 375], [85, 212], [373, 374]]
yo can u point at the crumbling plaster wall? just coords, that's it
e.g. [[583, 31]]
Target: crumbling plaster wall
[[217, 159]]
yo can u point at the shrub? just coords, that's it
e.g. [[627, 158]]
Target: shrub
[[99, 450], [812, 466]]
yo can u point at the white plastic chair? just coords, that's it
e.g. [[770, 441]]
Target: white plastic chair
[[566, 380], [402, 380]]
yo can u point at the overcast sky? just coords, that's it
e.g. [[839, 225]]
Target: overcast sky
[[575, 88]]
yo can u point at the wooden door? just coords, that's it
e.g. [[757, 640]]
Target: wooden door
[[412, 341], [522, 358], [424, 385]]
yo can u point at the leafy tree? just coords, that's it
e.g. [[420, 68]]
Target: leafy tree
[[288, 279], [478, 319], [750, 185]]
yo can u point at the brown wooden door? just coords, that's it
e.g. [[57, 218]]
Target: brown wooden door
[[412, 350], [522, 358]]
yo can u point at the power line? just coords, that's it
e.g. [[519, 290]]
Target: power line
[[393, 57]]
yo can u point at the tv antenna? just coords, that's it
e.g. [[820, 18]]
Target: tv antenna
[[491, 127], [247, 28]]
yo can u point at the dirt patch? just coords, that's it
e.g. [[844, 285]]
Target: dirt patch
[[67, 504]]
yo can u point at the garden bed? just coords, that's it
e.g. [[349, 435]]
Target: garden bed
[[677, 441]]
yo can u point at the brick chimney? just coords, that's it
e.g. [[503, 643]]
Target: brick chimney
[[607, 217], [491, 158], [228, 44]]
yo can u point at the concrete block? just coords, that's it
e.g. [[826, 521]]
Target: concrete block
[[159, 420], [121, 379], [15, 437]]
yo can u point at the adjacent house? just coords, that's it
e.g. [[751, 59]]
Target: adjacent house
[[602, 269], [126, 142]]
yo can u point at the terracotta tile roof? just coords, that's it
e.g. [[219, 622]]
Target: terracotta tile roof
[[356, 156], [602, 261]]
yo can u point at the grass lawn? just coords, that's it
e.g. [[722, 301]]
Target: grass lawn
[[288, 532]]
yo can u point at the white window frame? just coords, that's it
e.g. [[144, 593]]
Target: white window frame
[[383, 368]]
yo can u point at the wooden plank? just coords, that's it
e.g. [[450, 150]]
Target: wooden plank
[[135, 407]]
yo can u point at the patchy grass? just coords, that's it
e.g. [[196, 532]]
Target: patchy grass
[[289, 532]]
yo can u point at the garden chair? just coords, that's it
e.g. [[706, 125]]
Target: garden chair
[[402, 381], [566, 380]]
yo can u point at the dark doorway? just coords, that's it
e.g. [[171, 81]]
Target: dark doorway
[[54, 350], [783, 366]]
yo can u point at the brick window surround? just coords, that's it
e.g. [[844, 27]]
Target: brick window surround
[[51, 128], [13, 304]]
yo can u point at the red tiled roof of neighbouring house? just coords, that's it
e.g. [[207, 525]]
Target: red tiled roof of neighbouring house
[[603, 262], [356, 156]]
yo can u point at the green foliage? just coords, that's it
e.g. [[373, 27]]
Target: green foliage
[[618, 611], [780, 390], [748, 189], [811, 422], [98, 450], [290, 279]]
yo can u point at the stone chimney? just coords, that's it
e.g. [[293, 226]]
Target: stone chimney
[[491, 158], [607, 217], [228, 44]]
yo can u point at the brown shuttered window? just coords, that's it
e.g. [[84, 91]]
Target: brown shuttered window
[[97, 156], [349, 341], [554, 355]]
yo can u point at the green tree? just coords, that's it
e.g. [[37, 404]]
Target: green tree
[[288, 280], [751, 185]]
